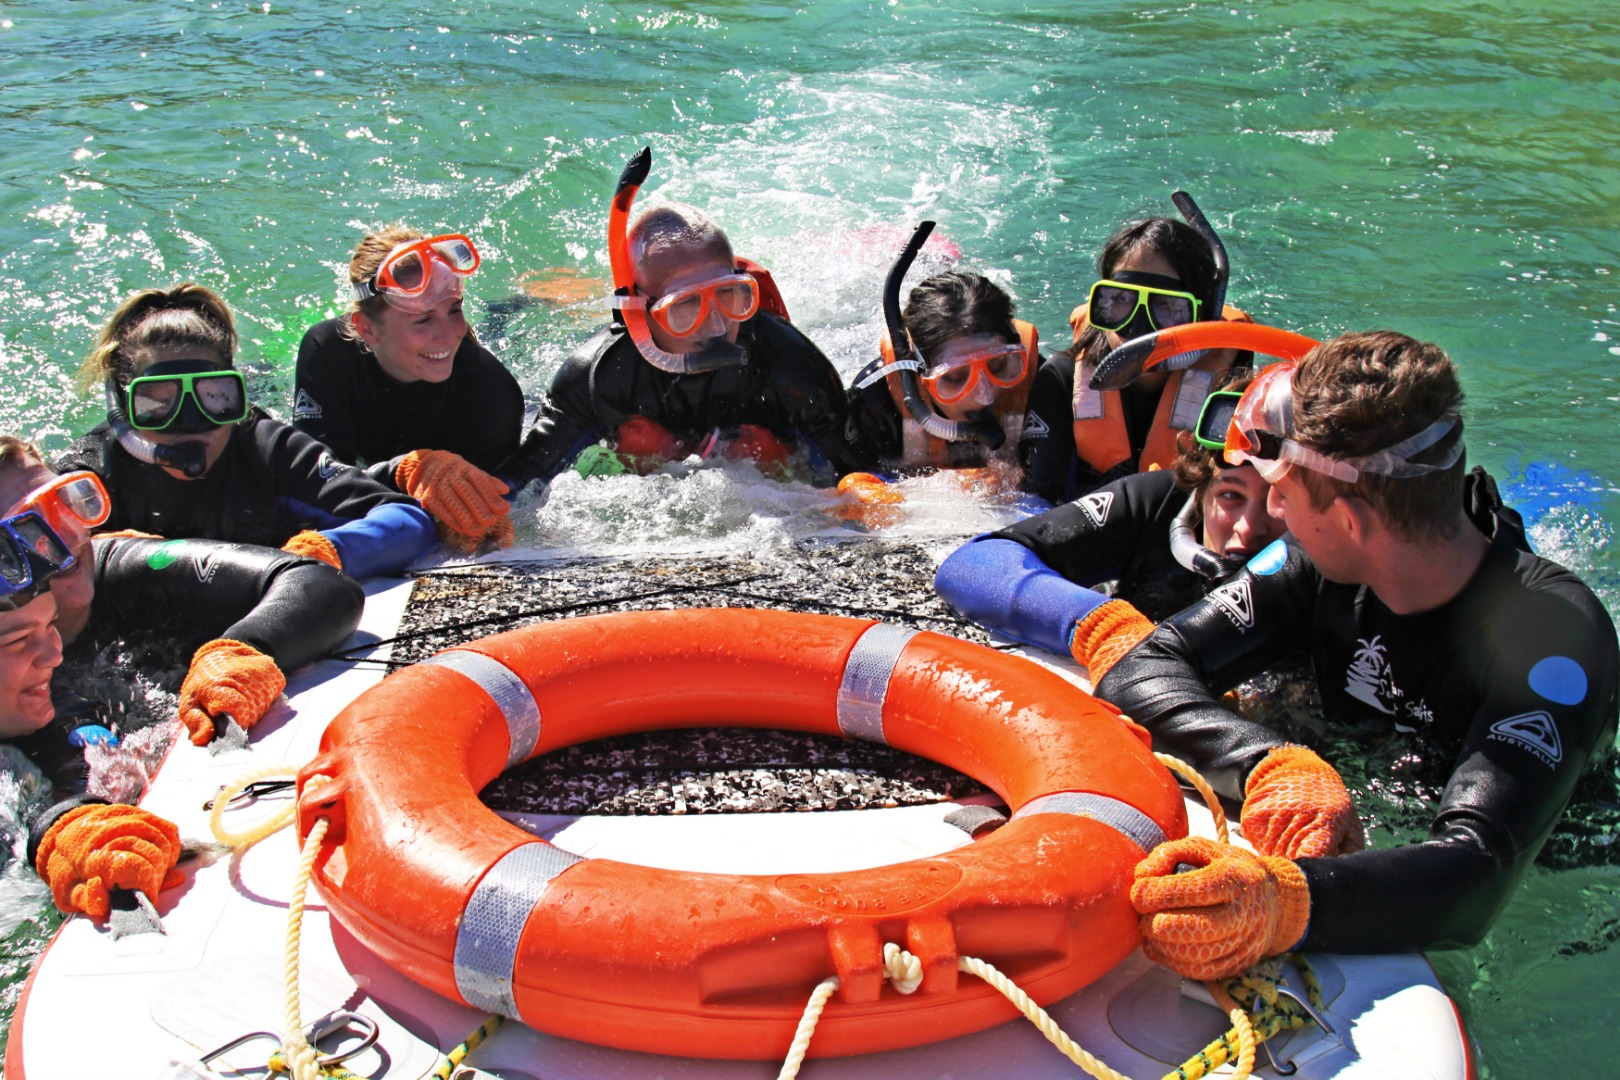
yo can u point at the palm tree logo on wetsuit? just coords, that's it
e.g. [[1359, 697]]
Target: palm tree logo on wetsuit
[[1368, 677]]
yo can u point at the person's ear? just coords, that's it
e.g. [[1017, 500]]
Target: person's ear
[[1354, 517], [365, 327]]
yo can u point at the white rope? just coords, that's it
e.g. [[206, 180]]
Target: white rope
[[904, 972], [301, 1057]]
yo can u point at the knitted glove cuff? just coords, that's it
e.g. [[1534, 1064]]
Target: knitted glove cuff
[[47, 843], [1103, 623], [1293, 904]]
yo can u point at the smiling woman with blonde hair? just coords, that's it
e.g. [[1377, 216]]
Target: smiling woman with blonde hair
[[400, 385]]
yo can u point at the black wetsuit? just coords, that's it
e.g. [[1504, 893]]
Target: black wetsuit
[[344, 399], [787, 387], [1052, 466], [1120, 533], [270, 483], [1514, 679], [877, 430], [291, 608]]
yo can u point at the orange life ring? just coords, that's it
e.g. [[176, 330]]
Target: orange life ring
[[719, 965]]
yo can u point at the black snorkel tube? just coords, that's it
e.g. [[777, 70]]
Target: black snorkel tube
[[985, 431], [1195, 217], [190, 458], [1194, 556]]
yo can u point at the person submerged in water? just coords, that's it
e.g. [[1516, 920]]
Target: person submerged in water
[[694, 363], [1165, 538], [400, 385], [953, 395], [185, 454], [248, 613], [1419, 617], [1152, 275]]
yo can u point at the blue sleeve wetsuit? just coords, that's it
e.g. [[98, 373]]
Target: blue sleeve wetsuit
[[1034, 581], [271, 482]]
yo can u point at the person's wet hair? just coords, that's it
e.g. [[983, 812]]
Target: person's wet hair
[[187, 316], [368, 255], [957, 304], [1180, 245], [1364, 392]]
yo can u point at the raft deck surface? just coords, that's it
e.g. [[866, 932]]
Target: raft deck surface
[[217, 974]]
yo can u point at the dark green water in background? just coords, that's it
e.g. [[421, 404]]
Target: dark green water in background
[[1448, 172]]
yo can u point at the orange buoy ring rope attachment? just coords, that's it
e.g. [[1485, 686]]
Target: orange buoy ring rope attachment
[[718, 965]]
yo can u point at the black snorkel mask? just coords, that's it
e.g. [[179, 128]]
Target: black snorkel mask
[[908, 362]]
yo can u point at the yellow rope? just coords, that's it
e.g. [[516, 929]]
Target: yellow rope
[[300, 1055], [448, 1063], [274, 823], [1211, 800]]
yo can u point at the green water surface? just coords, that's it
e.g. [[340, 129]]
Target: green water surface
[[1448, 170]]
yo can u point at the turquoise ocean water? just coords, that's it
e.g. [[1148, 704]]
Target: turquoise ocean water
[[1448, 172]]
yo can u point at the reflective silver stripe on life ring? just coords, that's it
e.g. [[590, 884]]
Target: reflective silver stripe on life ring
[[866, 680], [1134, 825], [511, 696], [493, 920]]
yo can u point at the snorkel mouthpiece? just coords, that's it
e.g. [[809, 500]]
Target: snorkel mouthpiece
[[191, 458], [632, 309], [1191, 554], [909, 361]]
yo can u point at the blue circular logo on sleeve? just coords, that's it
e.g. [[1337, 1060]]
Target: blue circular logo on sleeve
[[1270, 560], [1559, 679]]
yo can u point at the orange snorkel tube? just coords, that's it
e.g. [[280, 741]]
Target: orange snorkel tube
[[1122, 366], [632, 309]]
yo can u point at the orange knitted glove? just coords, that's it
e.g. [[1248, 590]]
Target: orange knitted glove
[[1295, 805], [1109, 632], [1232, 910], [227, 677], [500, 535], [314, 545], [870, 499], [452, 489], [91, 849]]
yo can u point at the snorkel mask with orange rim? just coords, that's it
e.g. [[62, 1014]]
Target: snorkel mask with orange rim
[[731, 296], [909, 366]]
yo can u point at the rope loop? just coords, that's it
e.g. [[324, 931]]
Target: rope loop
[[1211, 800], [271, 825]]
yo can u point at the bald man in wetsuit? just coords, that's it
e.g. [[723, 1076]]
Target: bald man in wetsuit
[[698, 360], [1418, 620]]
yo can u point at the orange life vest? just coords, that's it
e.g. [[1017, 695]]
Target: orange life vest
[[1100, 436], [770, 297], [919, 448]]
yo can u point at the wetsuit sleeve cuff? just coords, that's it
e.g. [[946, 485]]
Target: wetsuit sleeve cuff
[[1004, 586]]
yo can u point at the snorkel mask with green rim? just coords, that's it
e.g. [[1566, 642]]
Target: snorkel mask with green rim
[[631, 308], [178, 397]]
